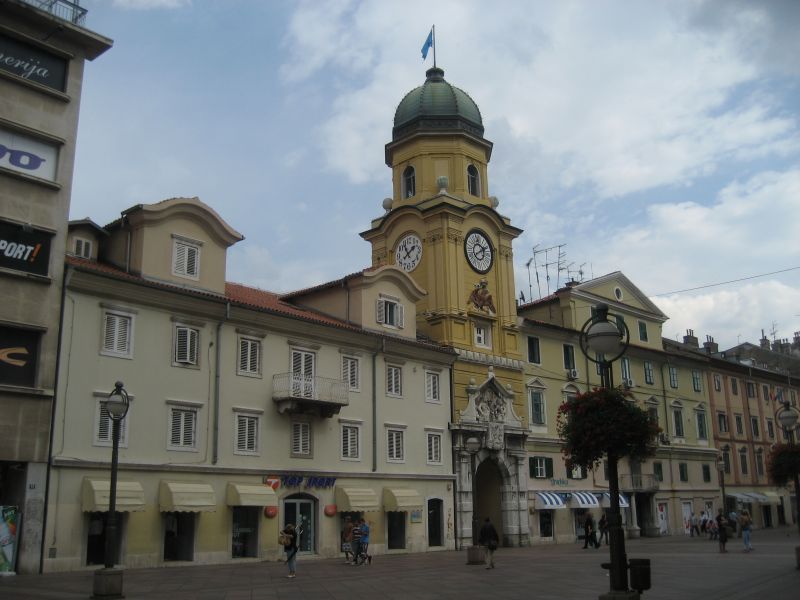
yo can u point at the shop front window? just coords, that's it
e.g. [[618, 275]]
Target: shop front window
[[244, 540], [396, 524], [96, 538], [179, 536]]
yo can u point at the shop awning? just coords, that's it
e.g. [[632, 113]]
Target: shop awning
[[584, 500], [357, 500], [401, 499], [95, 495], [180, 496], [606, 500], [244, 494], [549, 500], [772, 498], [763, 498], [740, 496]]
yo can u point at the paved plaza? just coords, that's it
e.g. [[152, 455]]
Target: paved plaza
[[682, 569]]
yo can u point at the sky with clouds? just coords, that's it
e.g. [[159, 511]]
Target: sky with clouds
[[659, 139]]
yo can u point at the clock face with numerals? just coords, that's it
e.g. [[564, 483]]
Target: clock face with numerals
[[408, 253], [479, 251]]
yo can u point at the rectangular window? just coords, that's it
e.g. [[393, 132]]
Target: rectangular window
[[350, 373], [350, 442], [246, 434], [717, 383], [743, 462], [249, 356], [536, 400], [726, 459], [765, 392], [706, 473], [722, 422], [576, 473], [534, 355], [673, 377], [734, 386], [186, 344], [182, 428], [739, 424], [83, 248], [541, 467], [394, 380], [770, 429], [702, 429], [103, 431], [642, 331], [434, 448], [658, 471], [696, 381], [117, 334], [677, 419], [751, 389], [625, 365], [432, 387], [483, 335], [301, 440], [303, 365], [394, 445], [760, 464], [186, 259], [683, 471], [569, 357], [649, 377], [754, 427], [390, 312], [652, 412]]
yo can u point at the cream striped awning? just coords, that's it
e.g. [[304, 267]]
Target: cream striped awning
[[401, 499], [549, 500], [181, 496], [95, 494], [357, 500], [246, 494]]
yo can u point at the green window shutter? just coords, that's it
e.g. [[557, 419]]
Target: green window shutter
[[548, 467]]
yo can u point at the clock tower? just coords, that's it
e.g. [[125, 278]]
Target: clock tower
[[443, 228]]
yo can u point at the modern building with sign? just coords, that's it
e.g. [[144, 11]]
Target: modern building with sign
[[43, 46], [248, 410]]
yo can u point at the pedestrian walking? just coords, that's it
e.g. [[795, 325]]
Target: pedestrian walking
[[347, 540], [713, 529], [703, 521], [355, 544], [490, 539], [693, 526], [289, 537], [363, 547], [722, 526], [589, 534], [602, 527], [746, 524]]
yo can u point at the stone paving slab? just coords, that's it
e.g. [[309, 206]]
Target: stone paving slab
[[682, 568]]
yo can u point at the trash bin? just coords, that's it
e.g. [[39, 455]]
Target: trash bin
[[640, 573]]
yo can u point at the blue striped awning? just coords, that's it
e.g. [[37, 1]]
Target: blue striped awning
[[584, 500], [550, 500], [623, 501]]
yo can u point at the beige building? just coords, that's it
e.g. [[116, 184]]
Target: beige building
[[43, 50], [248, 410]]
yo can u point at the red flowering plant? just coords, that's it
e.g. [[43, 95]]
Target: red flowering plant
[[783, 463], [605, 421]]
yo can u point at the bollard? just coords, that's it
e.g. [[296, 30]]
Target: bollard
[[640, 573]]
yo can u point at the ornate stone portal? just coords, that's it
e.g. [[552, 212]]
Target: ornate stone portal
[[490, 417]]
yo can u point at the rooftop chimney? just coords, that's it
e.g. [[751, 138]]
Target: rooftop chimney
[[690, 340], [764, 342], [711, 347]]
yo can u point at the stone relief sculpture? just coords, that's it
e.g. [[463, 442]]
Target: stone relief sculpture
[[481, 298]]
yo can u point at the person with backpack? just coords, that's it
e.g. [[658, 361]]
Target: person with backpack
[[289, 539], [489, 538]]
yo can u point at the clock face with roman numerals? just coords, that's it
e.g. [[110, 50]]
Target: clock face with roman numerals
[[408, 252], [479, 251]]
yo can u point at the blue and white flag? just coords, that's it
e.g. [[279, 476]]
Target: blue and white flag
[[427, 45]]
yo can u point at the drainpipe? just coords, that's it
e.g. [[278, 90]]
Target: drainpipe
[[127, 243], [346, 286], [215, 436], [453, 468], [375, 406]]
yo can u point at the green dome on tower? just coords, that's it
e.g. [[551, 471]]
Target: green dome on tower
[[437, 106]]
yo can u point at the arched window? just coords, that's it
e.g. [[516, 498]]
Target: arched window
[[409, 182], [473, 181]]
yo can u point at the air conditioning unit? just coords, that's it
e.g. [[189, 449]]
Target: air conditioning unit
[[663, 438], [628, 383], [572, 373]]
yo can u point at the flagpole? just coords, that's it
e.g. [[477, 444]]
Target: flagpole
[[433, 40]]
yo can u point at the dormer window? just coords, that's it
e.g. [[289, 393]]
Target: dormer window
[[83, 248], [409, 182], [390, 312], [473, 181], [186, 258]]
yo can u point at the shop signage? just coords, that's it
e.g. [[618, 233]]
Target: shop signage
[[561, 482], [21, 250], [32, 63], [27, 155], [18, 352], [299, 481]]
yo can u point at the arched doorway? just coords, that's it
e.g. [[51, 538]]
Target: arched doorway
[[489, 489]]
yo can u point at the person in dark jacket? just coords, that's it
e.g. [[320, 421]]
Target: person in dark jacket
[[291, 550], [589, 533], [602, 527], [489, 538]]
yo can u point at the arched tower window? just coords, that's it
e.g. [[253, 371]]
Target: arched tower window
[[473, 181], [409, 182]]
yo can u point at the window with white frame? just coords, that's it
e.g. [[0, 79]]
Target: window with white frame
[[625, 366], [534, 352], [649, 376], [83, 247], [350, 373], [717, 382], [301, 440], [117, 334], [541, 467], [185, 258], [351, 438], [642, 331], [249, 356], [677, 420], [569, 357], [434, 448], [103, 429], [247, 427], [751, 389], [673, 377], [538, 414], [722, 422], [483, 335], [395, 451], [394, 380], [187, 340], [754, 426], [302, 365], [432, 392], [743, 461], [182, 428], [696, 381], [702, 428], [390, 312]]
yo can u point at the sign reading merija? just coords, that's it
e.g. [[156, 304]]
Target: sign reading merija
[[32, 63]]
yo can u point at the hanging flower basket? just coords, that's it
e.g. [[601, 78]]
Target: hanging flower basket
[[783, 463], [604, 421]]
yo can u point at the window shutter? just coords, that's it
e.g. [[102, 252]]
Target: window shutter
[[301, 439], [400, 312], [381, 312], [175, 428], [241, 433], [191, 261], [180, 259], [548, 467], [532, 467], [243, 355], [184, 348], [188, 428], [110, 340], [104, 424]]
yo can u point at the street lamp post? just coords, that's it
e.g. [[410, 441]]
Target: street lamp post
[[474, 555], [721, 464], [608, 341], [788, 416], [108, 581]]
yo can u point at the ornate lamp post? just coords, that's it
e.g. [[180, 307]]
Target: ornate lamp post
[[474, 555], [721, 464], [608, 340], [787, 416], [108, 581]]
